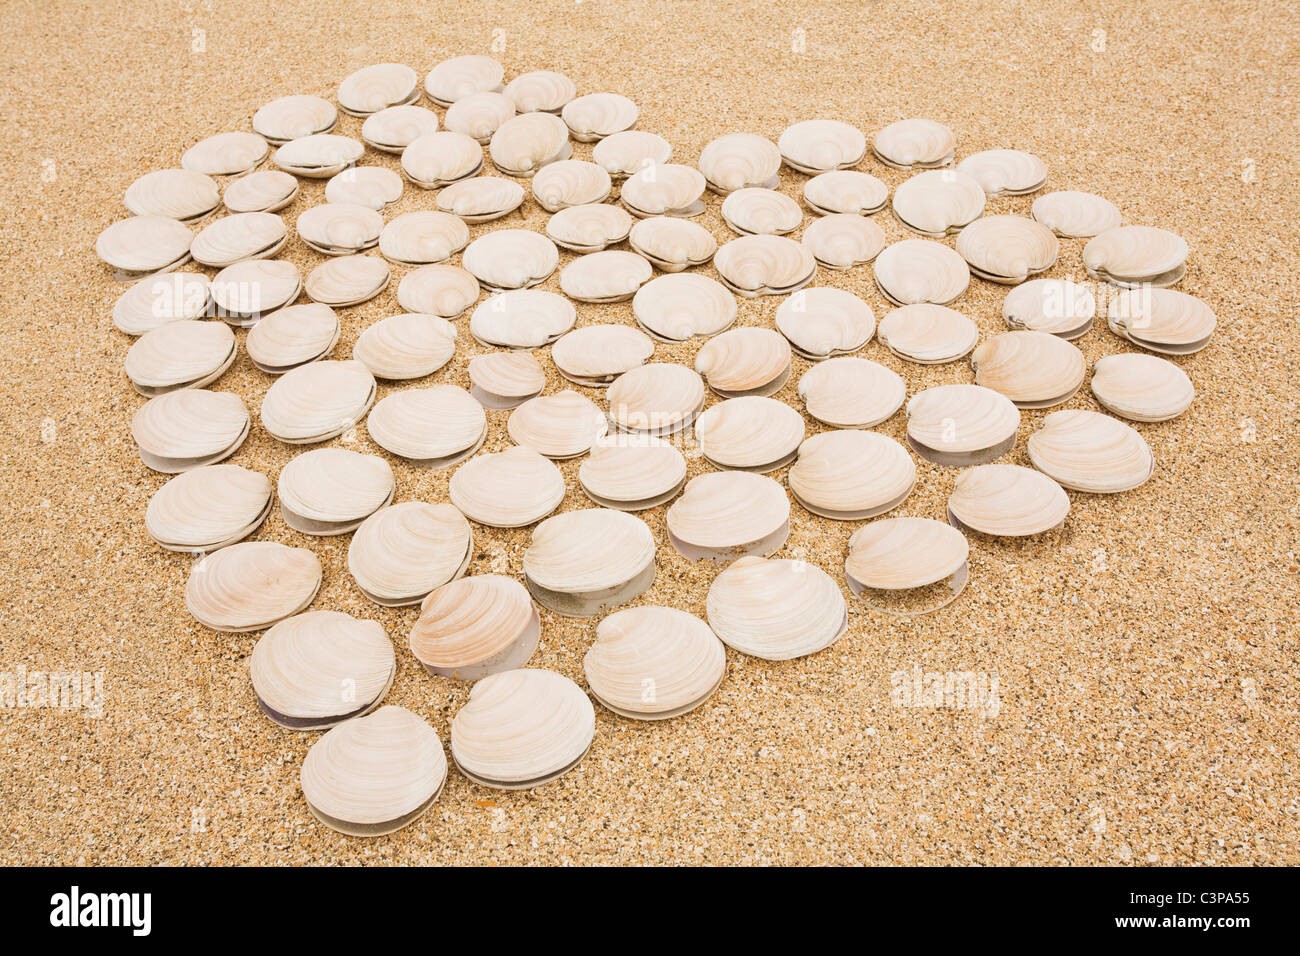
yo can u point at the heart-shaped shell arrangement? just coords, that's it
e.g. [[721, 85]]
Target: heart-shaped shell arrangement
[[582, 563], [318, 401], [481, 198], [624, 154], [524, 144], [850, 392], [918, 270], [823, 321], [914, 142], [1089, 451], [595, 355], [330, 491], [672, 244], [818, 146], [189, 428], [907, 565], [1007, 501], [960, 425], [739, 161], [251, 585], [176, 355], [938, 202], [669, 189], [292, 336], [845, 192], [589, 227], [658, 398], [754, 211], [523, 319], [434, 427], [208, 508], [750, 433], [1033, 369], [1162, 320], [510, 489], [1005, 172], [843, 240], [724, 515], [765, 265], [597, 115], [632, 472], [438, 289], [505, 379], [776, 609], [1076, 215], [928, 334], [1135, 256], [510, 259], [851, 475], [401, 553], [1056, 306], [1142, 388], [476, 626]]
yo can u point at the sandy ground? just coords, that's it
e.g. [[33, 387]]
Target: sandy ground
[[1144, 657]]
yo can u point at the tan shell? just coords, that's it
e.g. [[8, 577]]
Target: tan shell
[[521, 729], [1162, 320], [674, 308], [266, 190], [959, 425], [1007, 249], [843, 241], [402, 552], [595, 355], [522, 319], [208, 508], [189, 428], [756, 211], [1130, 256], [1033, 369], [460, 77], [393, 129], [928, 334], [598, 115], [246, 291], [510, 489], [421, 237], [374, 187], [1076, 215], [375, 774], [505, 379], [1056, 306], [764, 265], [1089, 451], [672, 244], [581, 563], [666, 189], [373, 88], [914, 142], [511, 259], [657, 398], [740, 160], [650, 663], [750, 433], [292, 336], [436, 426], [824, 321], [317, 669], [475, 627], [318, 401], [609, 276], [320, 156], [1007, 501], [524, 144], [187, 354], [251, 585], [405, 346], [938, 202], [543, 90], [292, 117], [226, 154], [570, 182], [918, 270], [179, 194], [441, 290], [481, 198], [818, 146], [589, 227], [776, 609], [723, 515], [331, 491], [902, 554], [845, 191], [156, 300], [144, 245], [563, 425], [851, 392], [340, 229], [435, 160], [744, 361], [632, 472], [246, 235], [850, 475], [1005, 172], [479, 115], [623, 154], [1142, 388], [347, 280]]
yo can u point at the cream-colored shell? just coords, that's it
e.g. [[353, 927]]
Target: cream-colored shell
[[248, 290], [143, 245], [609, 276], [479, 115], [424, 236], [1005, 172], [318, 401], [475, 627], [1130, 256], [374, 187], [914, 142], [437, 159], [1162, 320], [843, 240], [292, 336], [582, 562], [455, 79], [657, 398], [543, 90], [251, 585], [1007, 500], [401, 553], [938, 202], [595, 355], [225, 154], [623, 154], [845, 191], [1057, 306], [509, 489], [524, 144], [589, 227], [723, 515], [598, 115], [1033, 369], [764, 265], [481, 198], [928, 334], [189, 428], [897, 554], [850, 475], [1089, 451], [331, 491], [961, 424], [1076, 215], [750, 433], [511, 259], [208, 508], [522, 319], [347, 280], [1142, 388], [562, 425], [505, 379], [674, 308], [179, 194], [672, 243], [246, 235], [744, 361], [757, 211], [1007, 249], [851, 392], [919, 270], [437, 426], [666, 189], [340, 229], [632, 472], [776, 609], [824, 321], [320, 156], [738, 161], [393, 129], [187, 354], [266, 190], [373, 88], [292, 117], [818, 146], [405, 346], [441, 290], [570, 182]]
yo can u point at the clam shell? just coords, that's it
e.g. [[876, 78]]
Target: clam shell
[[371, 186], [1131, 256], [850, 475], [590, 227], [597, 354], [824, 321], [597, 115], [348, 280], [292, 117], [1162, 320], [292, 336], [928, 334], [441, 290], [843, 241], [481, 198], [479, 115], [375, 774], [266, 190], [1005, 172], [738, 161], [1076, 215], [650, 663], [505, 379], [320, 156], [850, 392], [179, 194], [156, 300], [251, 585], [723, 515], [750, 433], [845, 191], [524, 144], [1089, 451], [609, 276], [189, 428], [373, 88], [755, 211], [914, 142], [674, 308], [540, 90], [521, 729], [672, 244], [959, 425], [666, 189], [918, 270], [435, 160], [318, 401], [245, 235], [402, 552], [1142, 388], [744, 361], [331, 491], [658, 398], [460, 77], [764, 265], [582, 563], [906, 554], [631, 151], [144, 245], [246, 291], [340, 229], [1007, 249], [393, 129], [226, 154], [314, 670], [511, 259], [776, 609], [632, 473], [475, 627], [522, 319], [818, 146], [563, 425], [1033, 369], [510, 489], [436, 426], [405, 346], [418, 238], [208, 508], [187, 354], [1007, 501], [1056, 306], [570, 182], [938, 202]]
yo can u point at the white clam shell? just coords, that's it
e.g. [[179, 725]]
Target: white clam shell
[[505, 379], [455, 79], [436, 426], [842, 241], [524, 144], [1076, 215], [928, 334], [251, 585], [850, 475], [208, 508], [320, 156], [441, 290], [609, 276], [226, 154], [823, 321], [540, 90], [656, 398], [511, 259], [1089, 451], [421, 237], [435, 160], [902, 554], [750, 433], [144, 245], [187, 354], [347, 280], [1130, 256], [623, 154], [510, 489], [246, 235], [597, 115], [373, 88], [521, 729], [938, 202], [1056, 306], [632, 473], [292, 117], [189, 428], [266, 190], [723, 515], [340, 229], [674, 308], [563, 425], [757, 211], [582, 563], [764, 265], [374, 187], [401, 553], [845, 191], [393, 129], [918, 270], [1007, 501], [292, 336], [479, 115], [481, 198], [958, 425], [667, 189], [818, 146], [1005, 172], [1142, 388], [405, 346], [776, 609], [914, 142], [851, 392], [589, 227], [475, 627], [179, 194], [245, 292], [595, 355], [570, 182], [1162, 320], [156, 300], [1033, 369], [1007, 249], [522, 319], [738, 161], [317, 401], [672, 244], [650, 663], [744, 361], [331, 491]]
